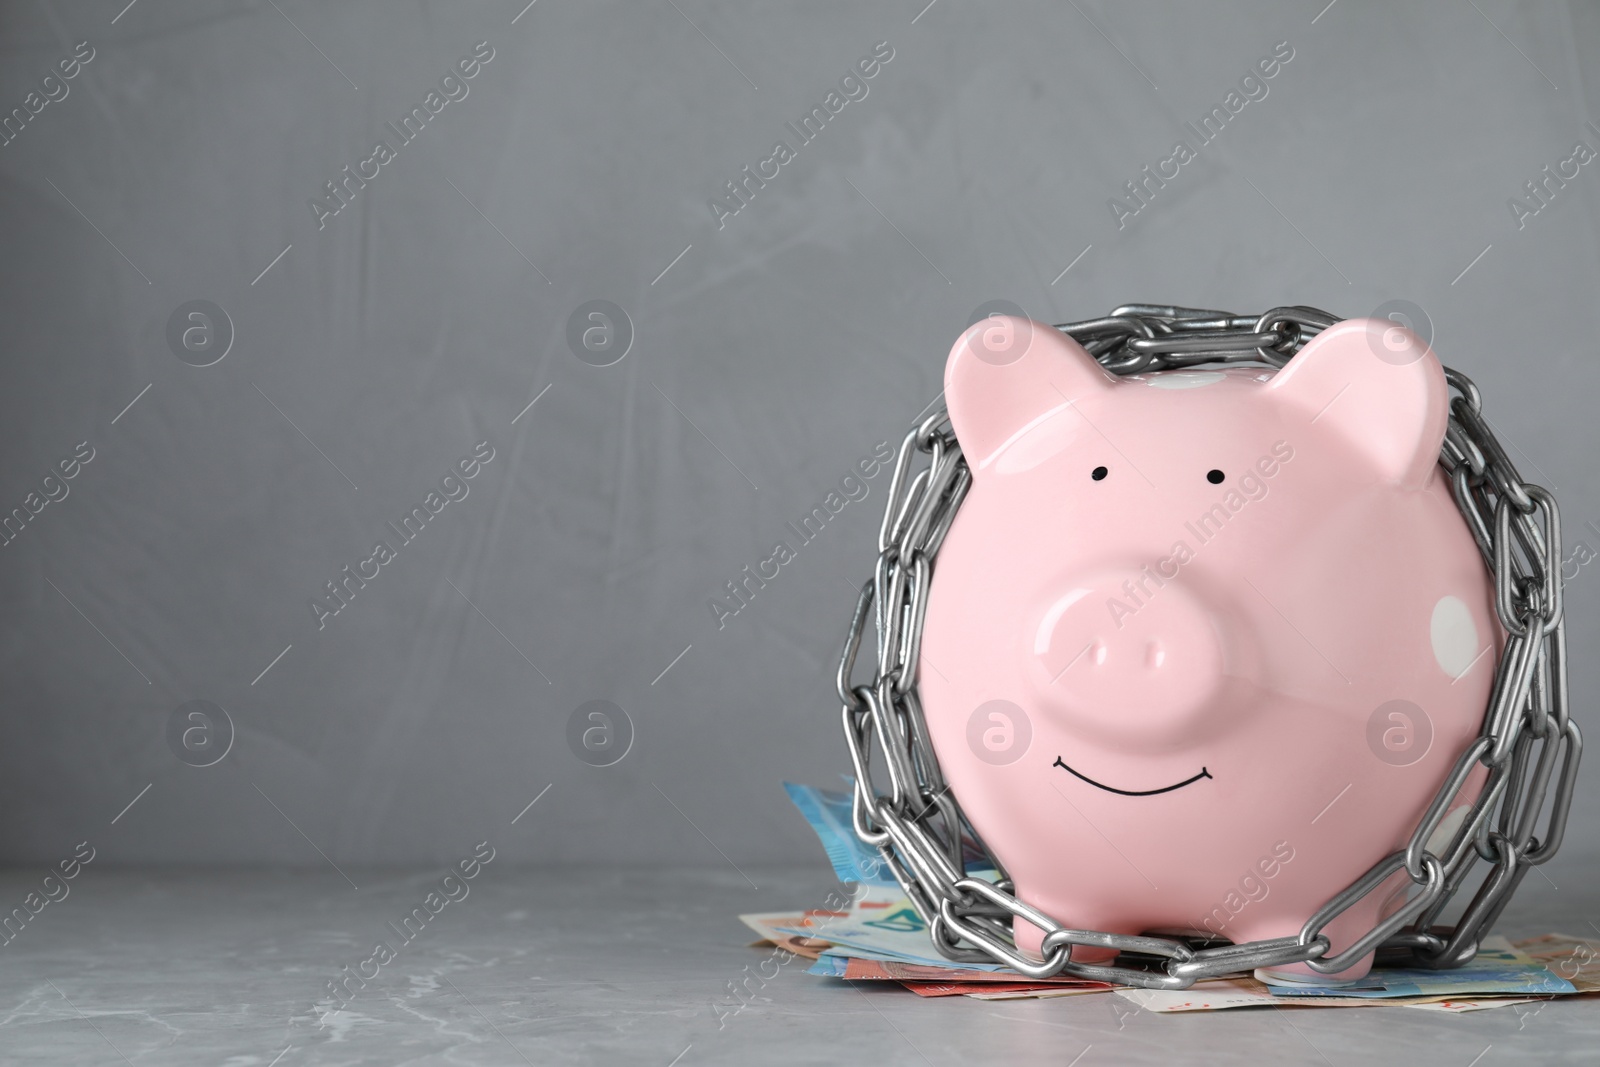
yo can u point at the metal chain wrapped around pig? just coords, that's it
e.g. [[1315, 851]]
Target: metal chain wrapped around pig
[[1202, 646]]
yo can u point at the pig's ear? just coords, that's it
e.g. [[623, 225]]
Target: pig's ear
[[1004, 373], [1379, 386]]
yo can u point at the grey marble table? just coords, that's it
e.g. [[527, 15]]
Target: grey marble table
[[617, 966]]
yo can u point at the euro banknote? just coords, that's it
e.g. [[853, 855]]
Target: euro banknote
[[1498, 969], [829, 815], [1220, 994], [894, 933], [1577, 959]]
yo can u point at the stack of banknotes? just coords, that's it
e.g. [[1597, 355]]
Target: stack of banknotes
[[874, 934]]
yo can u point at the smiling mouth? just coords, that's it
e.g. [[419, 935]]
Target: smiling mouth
[[1132, 792]]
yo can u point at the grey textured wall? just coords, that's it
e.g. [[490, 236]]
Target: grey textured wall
[[769, 355]]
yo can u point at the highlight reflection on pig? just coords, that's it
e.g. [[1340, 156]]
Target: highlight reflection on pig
[[1202, 645]]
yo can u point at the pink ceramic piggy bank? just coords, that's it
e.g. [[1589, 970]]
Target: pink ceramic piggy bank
[[1202, 645]]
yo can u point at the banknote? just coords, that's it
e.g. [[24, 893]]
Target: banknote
[[829, 966], [836, 962], [929, 982], [806, 947], [1003, 990], [1220, 994], [1577, 959], [1498, 969], [1451, 1004], [896, 933], [810, 921], [857, 967], [978, 992], [801, 930], [961, 989], [829, 815], [1210, 994]]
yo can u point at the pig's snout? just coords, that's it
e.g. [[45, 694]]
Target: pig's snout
[[1131, 659]]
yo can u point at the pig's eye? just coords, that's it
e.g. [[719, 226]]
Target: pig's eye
[[1215, 477], [1098, 473]]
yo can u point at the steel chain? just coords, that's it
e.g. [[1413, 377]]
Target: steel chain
[[1528, 737]]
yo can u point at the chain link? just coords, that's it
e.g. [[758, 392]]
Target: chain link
[[1529, 742]]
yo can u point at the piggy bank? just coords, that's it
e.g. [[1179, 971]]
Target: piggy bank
[[1202, 645]]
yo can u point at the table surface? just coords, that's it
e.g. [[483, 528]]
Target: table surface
[[620, 966]]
